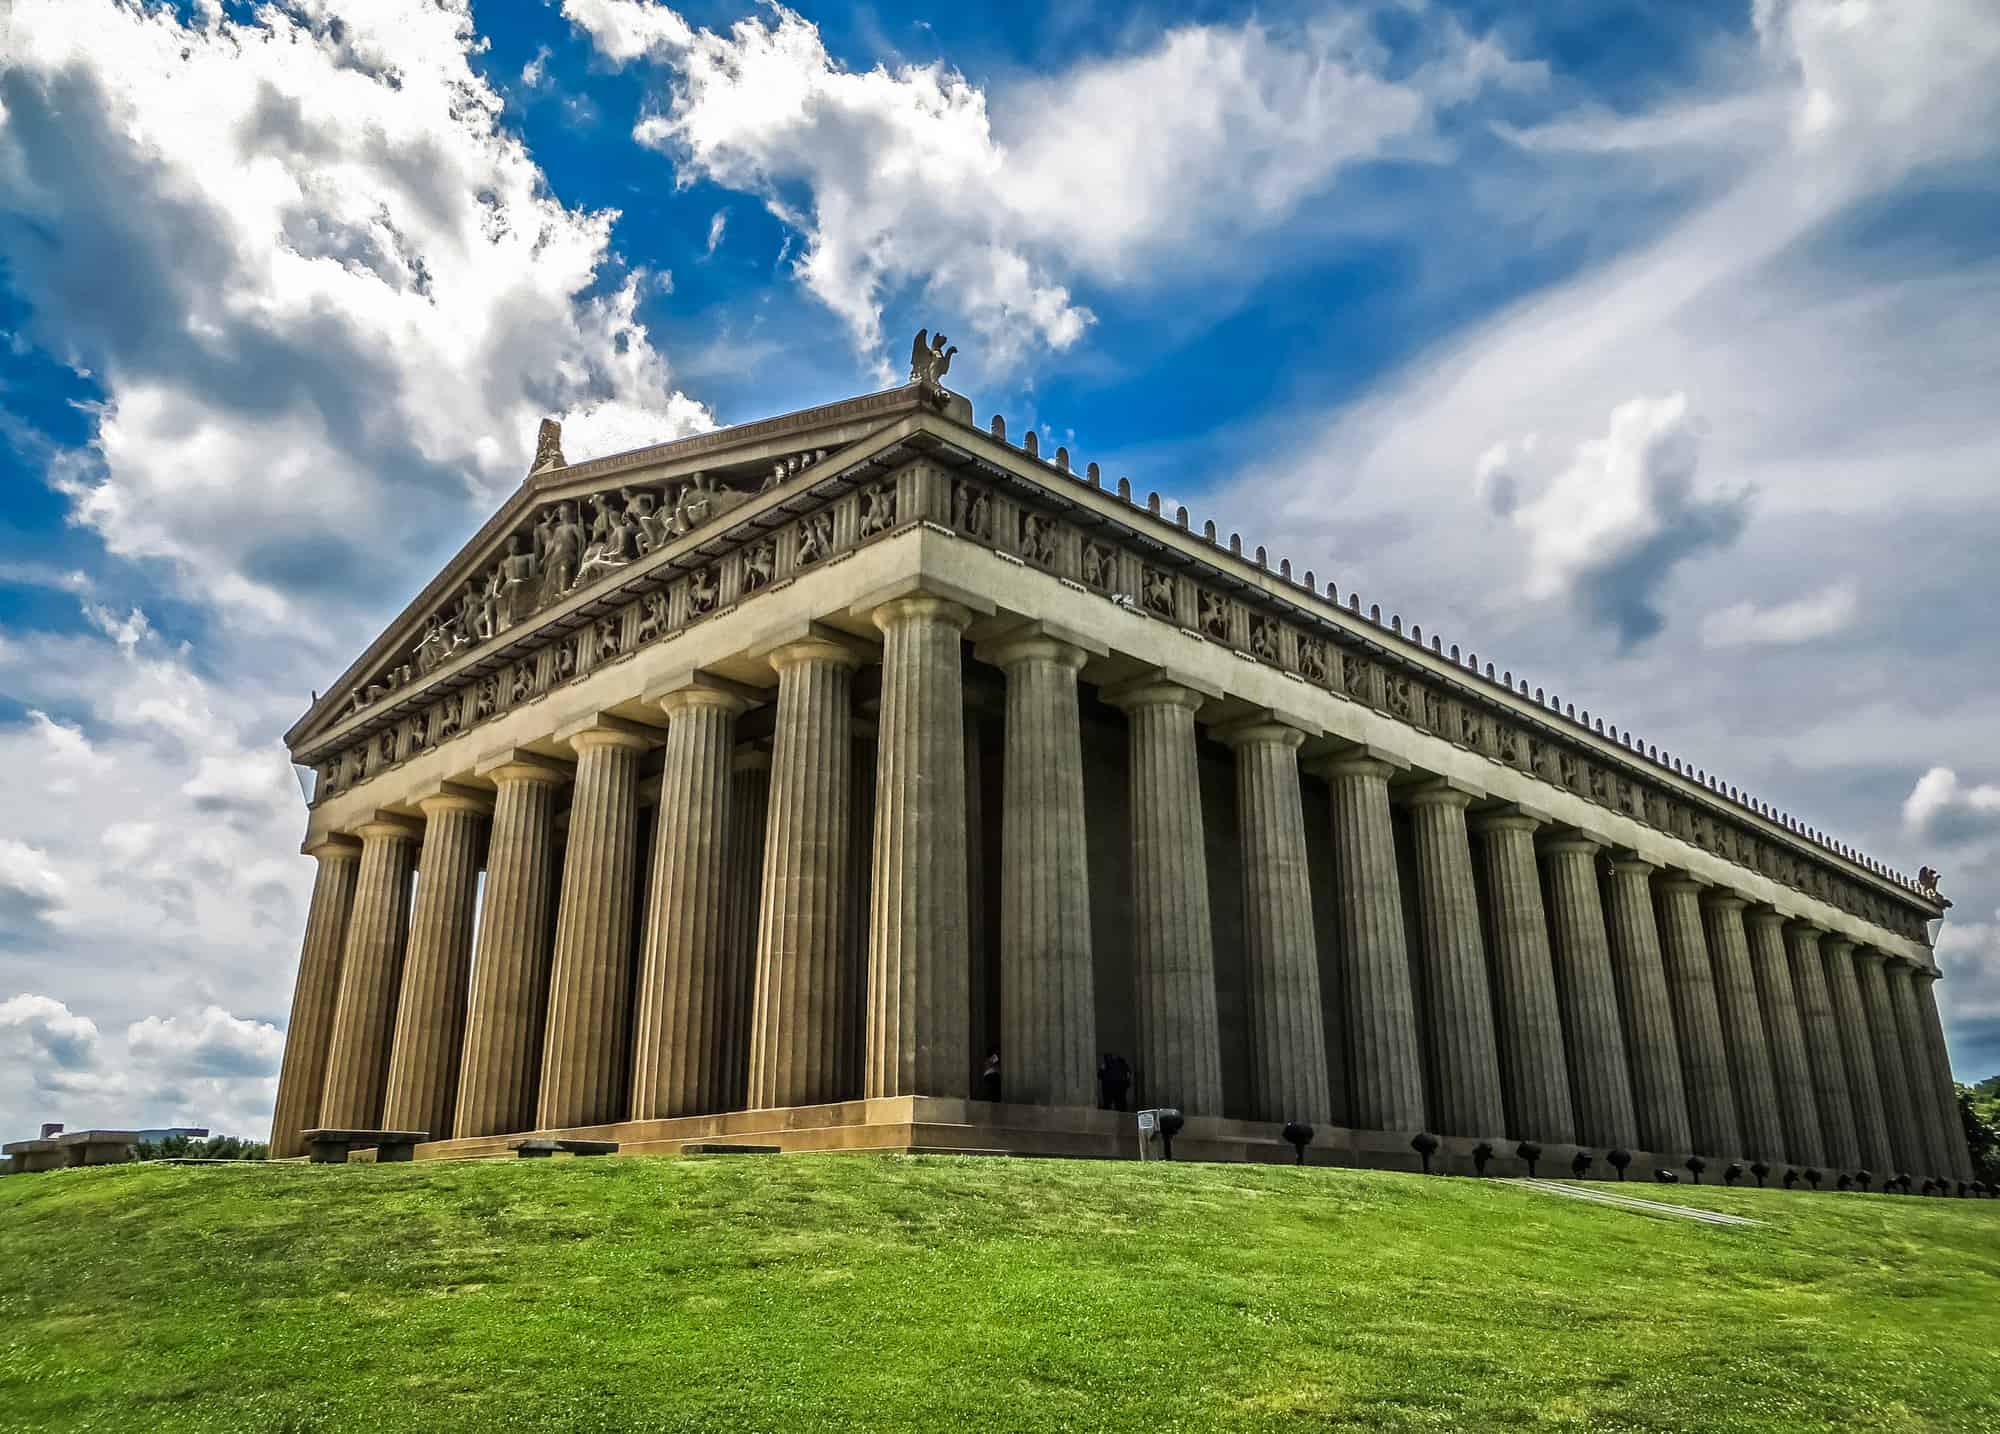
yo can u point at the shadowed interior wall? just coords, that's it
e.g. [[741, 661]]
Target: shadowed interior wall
[[1108, 822], [1217, 765]]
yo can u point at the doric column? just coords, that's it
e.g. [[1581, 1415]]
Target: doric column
[[1924, 982], [1180, 1053], [430, 1014], [1048, 1013], [1600, 1083], [590, 978], [1691, 989], [1906, 1140], [1280, 949], [749, 813], [1385, 1088], [1926, 1099], [315, 994], [1534, 1063], [1458, 998], [677, 1033], [919, 952], [798, 1044], [1839, 1148], [371, 976], [1791, 1067], [1857, 1055], [1743, 1028], [1658, 1095], [507, 1016]]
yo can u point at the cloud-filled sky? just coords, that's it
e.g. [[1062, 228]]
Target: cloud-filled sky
[[1648, 350]]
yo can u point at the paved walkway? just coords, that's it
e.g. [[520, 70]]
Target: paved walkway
[[1604, 1195]]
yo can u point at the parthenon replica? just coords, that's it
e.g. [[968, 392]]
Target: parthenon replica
[[756, 787]]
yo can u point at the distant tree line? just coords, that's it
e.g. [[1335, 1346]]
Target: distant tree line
[[194, 1147], [1979, 1108]]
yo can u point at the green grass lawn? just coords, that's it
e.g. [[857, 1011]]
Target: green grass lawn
[[847, 1292]]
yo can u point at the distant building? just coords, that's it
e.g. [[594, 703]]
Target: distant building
[[54, 1150]]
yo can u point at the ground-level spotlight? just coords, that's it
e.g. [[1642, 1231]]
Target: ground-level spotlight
[[1298, 1135], [1695, 1165], [1618, 1160], [1529, 1153], [1426, 1145], [1579, 1163], [1666, 1177], [1481, 1153], [1732, 1172]]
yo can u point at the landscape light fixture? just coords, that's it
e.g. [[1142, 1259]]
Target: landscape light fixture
[[1732, 1172], [1530, 1153], [1695, 1165], [1760, 1170], [1425, 1144], [1579, 1163], [1619, 1159], [1791, 1179], [1481, 1153], [1862, 1178], [1298, 1135], [1813, 1177], [1846, 1181], [1665, 1176]]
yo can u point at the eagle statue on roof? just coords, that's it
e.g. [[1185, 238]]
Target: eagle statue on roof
[[930, 360]]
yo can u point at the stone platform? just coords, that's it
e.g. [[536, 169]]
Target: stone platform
[[936, 1126]]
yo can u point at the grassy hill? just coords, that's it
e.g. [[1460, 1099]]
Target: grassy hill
[[845, 1292]]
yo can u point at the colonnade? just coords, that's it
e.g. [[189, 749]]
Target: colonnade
[[1547, 987]]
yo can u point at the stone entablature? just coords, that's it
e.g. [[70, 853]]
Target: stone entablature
[[1047, 519]]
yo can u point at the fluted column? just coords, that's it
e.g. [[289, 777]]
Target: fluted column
[[1857, 1055], [430, 1014], [919, 948], [1711, 1100], [1906, 1142], [1600, 1081], [315, 993], [1048, 1013], [1743, 1028], [749, 812], [798, 1046], [1840, 1149], [1659, 1097], [590, 978], [500, 1075], [1385, 1086], [1925, 1104], [1458, 998], [1925, 984], [1180, 1052], [1280, 949], [1534, 1061], [677, 1035], [1791, 1066], [371, 976]]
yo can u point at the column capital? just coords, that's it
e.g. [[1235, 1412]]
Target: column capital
[[1156, 690], [1358, 761], [1671, 880], [1834, 944], [331, 846], [1720, 899], [1266, 728], [1630, 863], [1572, 839], [801, 651], [388, 826], [687, 690], [1800, 926], [750, 759], [1442, 792], [601, 729], [1039, 641], [1764, 915], [922, 586], [919, 606], [1513, 818], [452, 797], [518, 764]]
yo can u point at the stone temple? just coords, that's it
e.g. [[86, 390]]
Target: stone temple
[[756, 787]]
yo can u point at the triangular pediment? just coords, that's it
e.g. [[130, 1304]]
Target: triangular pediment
[[573, 528]]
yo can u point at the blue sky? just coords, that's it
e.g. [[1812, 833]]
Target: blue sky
[[1643, 347]]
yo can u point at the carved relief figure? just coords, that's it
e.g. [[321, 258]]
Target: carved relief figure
[[644, 510], [693, 501], [618, 547], [430, 646], [878, 509], [815, 537], [522, 686], [1099, 565], [1157, 590], [1312, 659], [1212, 613], [565, 659], [548, 447], [485, 698], [652, 616], [1038, 539], [1399, 696], [703, 591], [605, 636], [565, 550], [758, 564], [971, 509], [449, 718], [520, 583]]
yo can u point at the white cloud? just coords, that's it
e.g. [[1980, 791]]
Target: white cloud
[[1113, 170], [327, 295], [1805, 619], [30, 886], [50, 1030], [717, 223], [1943, 807], [210, 1043], [535, 73]]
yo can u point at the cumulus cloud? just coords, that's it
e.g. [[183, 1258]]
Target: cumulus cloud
[[49, 1030], [31, 889], [211, 1043], [326, 294], [1942, 807], [918, 176], [1805, 619], [1610, 526]]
